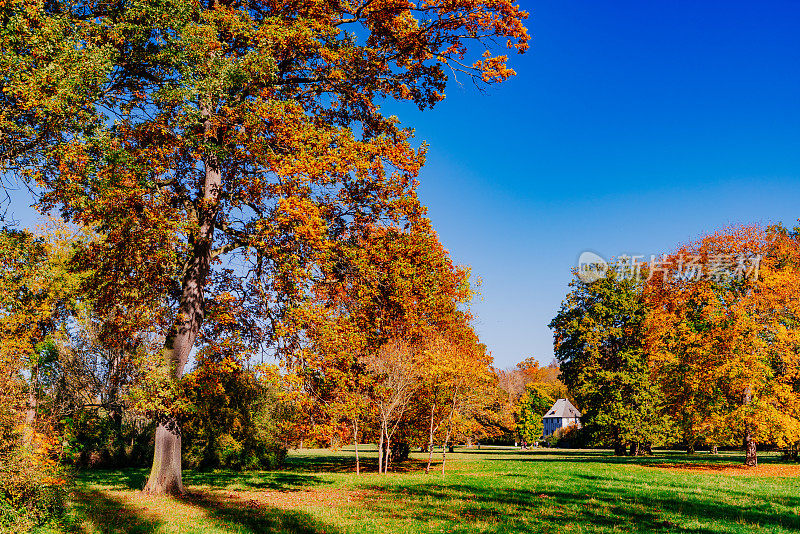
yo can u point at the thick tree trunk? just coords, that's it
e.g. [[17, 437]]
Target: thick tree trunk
[[634, 448], [750, 457], [165, 475]]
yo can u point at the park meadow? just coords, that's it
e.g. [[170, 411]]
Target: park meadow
[[399, 266], [491, 489]]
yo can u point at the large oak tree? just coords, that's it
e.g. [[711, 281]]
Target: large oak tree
[[225, 149]]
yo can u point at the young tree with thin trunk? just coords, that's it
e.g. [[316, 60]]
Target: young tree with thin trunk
[[37, 295], [395, 367]]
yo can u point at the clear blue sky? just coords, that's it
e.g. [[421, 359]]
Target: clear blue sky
[[630, 128]]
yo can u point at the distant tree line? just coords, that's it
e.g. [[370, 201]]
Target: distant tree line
[[700, 353]]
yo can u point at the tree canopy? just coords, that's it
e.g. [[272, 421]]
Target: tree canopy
[[598, 339]]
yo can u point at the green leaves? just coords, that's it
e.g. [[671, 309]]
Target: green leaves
[[598, 336], [533, 405]]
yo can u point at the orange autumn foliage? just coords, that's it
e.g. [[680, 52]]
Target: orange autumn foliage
[[725, 349]]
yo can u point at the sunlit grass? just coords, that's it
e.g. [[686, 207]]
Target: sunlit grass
[[488, 490]]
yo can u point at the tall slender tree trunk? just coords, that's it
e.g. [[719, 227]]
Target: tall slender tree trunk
[[749, 442], [388, 449], [165, 475], [31, 411], [355, 442], [380, 451], [449, 426], [444, 452], [114, 413], [430, 439], [444, 445]]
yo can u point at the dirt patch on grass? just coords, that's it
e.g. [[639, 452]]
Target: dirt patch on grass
[[731, 469]]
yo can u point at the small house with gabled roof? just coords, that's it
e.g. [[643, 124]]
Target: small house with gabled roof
[[561, 415]]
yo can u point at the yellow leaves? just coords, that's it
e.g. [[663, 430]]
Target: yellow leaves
[[711, 341], [301, 216], [493, 69]]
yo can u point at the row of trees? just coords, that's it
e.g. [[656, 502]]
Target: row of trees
[[387, 355], [394, 362], [709, 358]]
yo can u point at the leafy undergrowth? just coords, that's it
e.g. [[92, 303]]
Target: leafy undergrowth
[[488, 490]]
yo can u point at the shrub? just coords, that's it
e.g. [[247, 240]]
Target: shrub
[[32, 484], [566, 437], [93, 439], [32, 487], [234, 417]]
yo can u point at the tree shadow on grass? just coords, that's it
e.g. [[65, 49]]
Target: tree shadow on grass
[[260, 480], [110, 515], [127, 478], [328, 463], [675, 458], [509, 510], [273, 480], [594, 508], [345, 463], [256, 518], [752, 505]]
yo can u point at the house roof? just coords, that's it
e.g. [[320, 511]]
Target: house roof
[[563, 408]]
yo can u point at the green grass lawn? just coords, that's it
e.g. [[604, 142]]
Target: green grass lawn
[[487, 490]]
